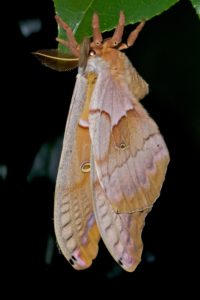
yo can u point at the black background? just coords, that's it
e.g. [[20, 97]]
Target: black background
[[35, 102]]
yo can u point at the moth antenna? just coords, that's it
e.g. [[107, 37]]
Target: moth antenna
[[72, 43], [117, 36], [97, 36]]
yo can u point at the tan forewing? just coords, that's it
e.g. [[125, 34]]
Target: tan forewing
[[130, 155], [74, 220]]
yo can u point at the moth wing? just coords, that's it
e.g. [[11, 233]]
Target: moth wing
[[130, 154], [56, 60], [74, 221], [121, 232]]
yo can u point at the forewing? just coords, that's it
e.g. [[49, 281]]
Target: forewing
[[74, 220], [121, 232], [130, 154]]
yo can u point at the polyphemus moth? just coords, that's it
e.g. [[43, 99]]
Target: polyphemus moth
[[114, 158]]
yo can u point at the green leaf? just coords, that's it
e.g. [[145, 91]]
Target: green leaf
[[78, 13], [196, 5]]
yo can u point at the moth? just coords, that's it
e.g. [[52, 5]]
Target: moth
[[113, 160]]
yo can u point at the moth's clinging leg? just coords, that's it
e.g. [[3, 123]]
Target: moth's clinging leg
[[132, 36], [72, 44], [97, 36], [117, 36]]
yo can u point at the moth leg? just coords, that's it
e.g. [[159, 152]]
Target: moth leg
[[132, 37], [71, 43], [97, 36]]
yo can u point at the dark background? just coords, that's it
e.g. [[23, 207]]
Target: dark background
[[35, 102]]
